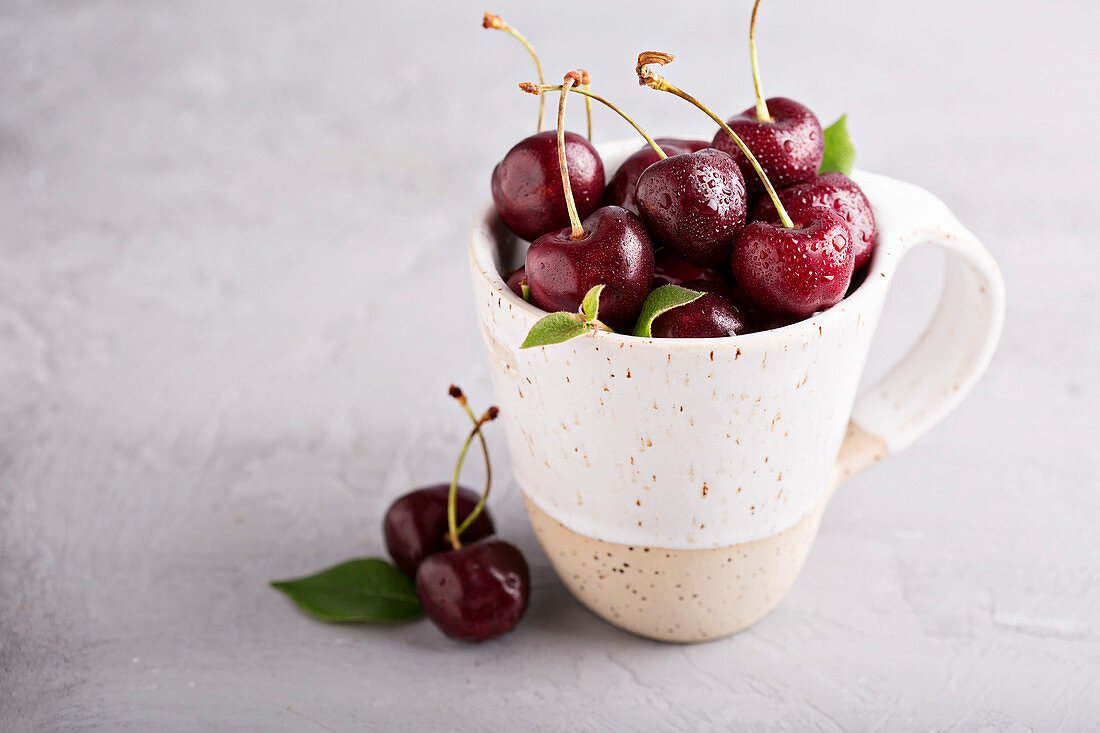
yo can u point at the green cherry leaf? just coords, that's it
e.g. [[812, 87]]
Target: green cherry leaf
[[840, 154], [662, 300], [590, 306], [367, 589], [553, 329]]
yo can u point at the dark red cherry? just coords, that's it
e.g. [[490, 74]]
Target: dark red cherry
[[714, 315], [834, 191], [765, 321], [620, 189], [789, 148], [515, 280], [415, 526], [795, 271], [527, 185], [693, 204], [668, 269], [477, 592], [616, 252]]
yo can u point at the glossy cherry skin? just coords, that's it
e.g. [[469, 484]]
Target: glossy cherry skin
[[789, 148], [515, 281], [834, 191], [616, 252], [415, 526], [620, 189], [668, 269], [694, 204], [797, 271], [475, 593], [527, 186], [714, 315]]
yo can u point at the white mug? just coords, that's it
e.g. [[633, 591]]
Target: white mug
[[677, 484]]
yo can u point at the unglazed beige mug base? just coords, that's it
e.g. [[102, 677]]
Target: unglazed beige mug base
[[677, 595], [688, 596]]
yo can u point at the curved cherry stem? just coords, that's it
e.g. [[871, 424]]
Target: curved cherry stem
[[480, 506], [454, 529], [577, 231], [587, 107], [655, 81], [494, 21], [589, 95], [762, 113]]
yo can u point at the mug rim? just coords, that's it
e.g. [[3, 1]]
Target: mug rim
[[867, 294]]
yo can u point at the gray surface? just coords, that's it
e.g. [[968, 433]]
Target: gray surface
[[233, 291]]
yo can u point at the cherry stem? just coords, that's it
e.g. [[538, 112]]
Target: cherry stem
[[456, 530], [570, 205], [587, 108], [494, 21], [543, 89], [480, 506], [655, 81], [762, 113]]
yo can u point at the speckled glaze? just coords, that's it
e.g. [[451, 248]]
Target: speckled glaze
[[699, 447]]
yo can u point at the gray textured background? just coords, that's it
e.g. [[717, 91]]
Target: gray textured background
[[233, 290]]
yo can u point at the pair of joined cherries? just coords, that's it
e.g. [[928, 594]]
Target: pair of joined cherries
[[473, 591]]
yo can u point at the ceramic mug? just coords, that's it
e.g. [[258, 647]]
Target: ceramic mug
[[677, 484]]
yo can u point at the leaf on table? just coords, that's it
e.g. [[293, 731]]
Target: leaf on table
[[366, 589]]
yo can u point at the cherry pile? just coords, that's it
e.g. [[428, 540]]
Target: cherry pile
[[749, 222]]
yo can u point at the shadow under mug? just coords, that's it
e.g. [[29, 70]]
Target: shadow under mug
[[677, 484]]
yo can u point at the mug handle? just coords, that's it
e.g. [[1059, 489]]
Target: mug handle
[[954, 350]]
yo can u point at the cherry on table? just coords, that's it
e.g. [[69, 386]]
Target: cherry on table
[[477, 592], [527, 185], [716, 314], [694, 204], [835, 191], [795, 271], [620, 189], [415, 525]]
